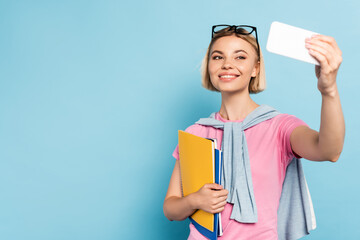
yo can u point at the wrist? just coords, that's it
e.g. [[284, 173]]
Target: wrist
[[329, 92], [192, 201]]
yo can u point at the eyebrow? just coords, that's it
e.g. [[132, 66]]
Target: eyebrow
[[236, 51]]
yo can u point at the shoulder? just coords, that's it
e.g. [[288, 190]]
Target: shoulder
[[195, 129], [284, 120], [281, 125], [293, 120], [201, 130]]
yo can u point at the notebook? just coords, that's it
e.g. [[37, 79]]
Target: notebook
[[200, 163]]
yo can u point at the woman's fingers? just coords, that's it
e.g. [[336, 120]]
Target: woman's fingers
[[220, 209], [220, 199], [329, 40], [213, 186], [321, 47], [223, 199], [331, 55], [326, 51], [222, 193], [212, 197], [219, 206], [321, 58]]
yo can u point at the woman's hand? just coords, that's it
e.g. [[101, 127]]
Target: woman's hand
[[326, 51], [211, 198]]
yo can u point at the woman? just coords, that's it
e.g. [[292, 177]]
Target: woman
[[234, 66]]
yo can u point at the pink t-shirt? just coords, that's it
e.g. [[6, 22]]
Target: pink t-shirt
[[270, 152]]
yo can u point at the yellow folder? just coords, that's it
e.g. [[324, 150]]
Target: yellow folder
[[197, 166]]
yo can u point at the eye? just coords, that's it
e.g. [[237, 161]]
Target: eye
[[241, 57], [215, 57]]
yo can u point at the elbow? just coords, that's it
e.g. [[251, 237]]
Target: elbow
[[334, 158], [170, 211], [167, 216], [170, 217], [166, 212], [332, 154]]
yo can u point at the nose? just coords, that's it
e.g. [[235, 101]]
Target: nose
[[226, 64]]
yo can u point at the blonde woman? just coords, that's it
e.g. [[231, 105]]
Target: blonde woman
[[260, 144]]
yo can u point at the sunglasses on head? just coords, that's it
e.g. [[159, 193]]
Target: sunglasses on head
[[239, 29]]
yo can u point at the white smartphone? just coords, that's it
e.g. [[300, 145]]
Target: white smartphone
[[289, 41]]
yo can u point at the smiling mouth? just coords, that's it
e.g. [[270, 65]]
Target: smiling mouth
[[228, 77]]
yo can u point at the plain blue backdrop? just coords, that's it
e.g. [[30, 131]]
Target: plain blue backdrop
[[92, 94]]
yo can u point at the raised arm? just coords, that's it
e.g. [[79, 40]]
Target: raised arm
[[327, 144]]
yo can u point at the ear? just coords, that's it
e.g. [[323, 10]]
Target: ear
[[256, 69]]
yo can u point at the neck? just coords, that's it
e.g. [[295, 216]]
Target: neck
[[236, 106]]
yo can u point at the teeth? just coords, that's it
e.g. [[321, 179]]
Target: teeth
[[227, 76]]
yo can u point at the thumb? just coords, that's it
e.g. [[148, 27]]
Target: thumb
[[214, 186]]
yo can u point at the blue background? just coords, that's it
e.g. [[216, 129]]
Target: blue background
[[92, 94]]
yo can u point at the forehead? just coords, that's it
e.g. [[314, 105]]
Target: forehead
[[230, 43]]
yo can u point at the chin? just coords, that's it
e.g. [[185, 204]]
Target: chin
[[231, 89]]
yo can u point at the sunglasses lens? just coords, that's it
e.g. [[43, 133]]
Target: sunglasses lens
[[218, 29], [241, 30], [245, 30]]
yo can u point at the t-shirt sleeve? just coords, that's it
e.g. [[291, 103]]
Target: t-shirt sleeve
[[193, 129], [287, 124], [176, 152]]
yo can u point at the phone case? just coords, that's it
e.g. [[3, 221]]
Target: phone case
[[289, 41]]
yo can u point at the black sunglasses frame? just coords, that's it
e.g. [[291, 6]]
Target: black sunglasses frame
[[235, 29]]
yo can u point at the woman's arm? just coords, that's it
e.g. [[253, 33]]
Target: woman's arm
[[211, 198], [177, 207], [327, 144]]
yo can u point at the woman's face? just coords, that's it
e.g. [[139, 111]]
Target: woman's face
[[232, 63]]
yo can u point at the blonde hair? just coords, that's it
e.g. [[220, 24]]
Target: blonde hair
[[257, 84]]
